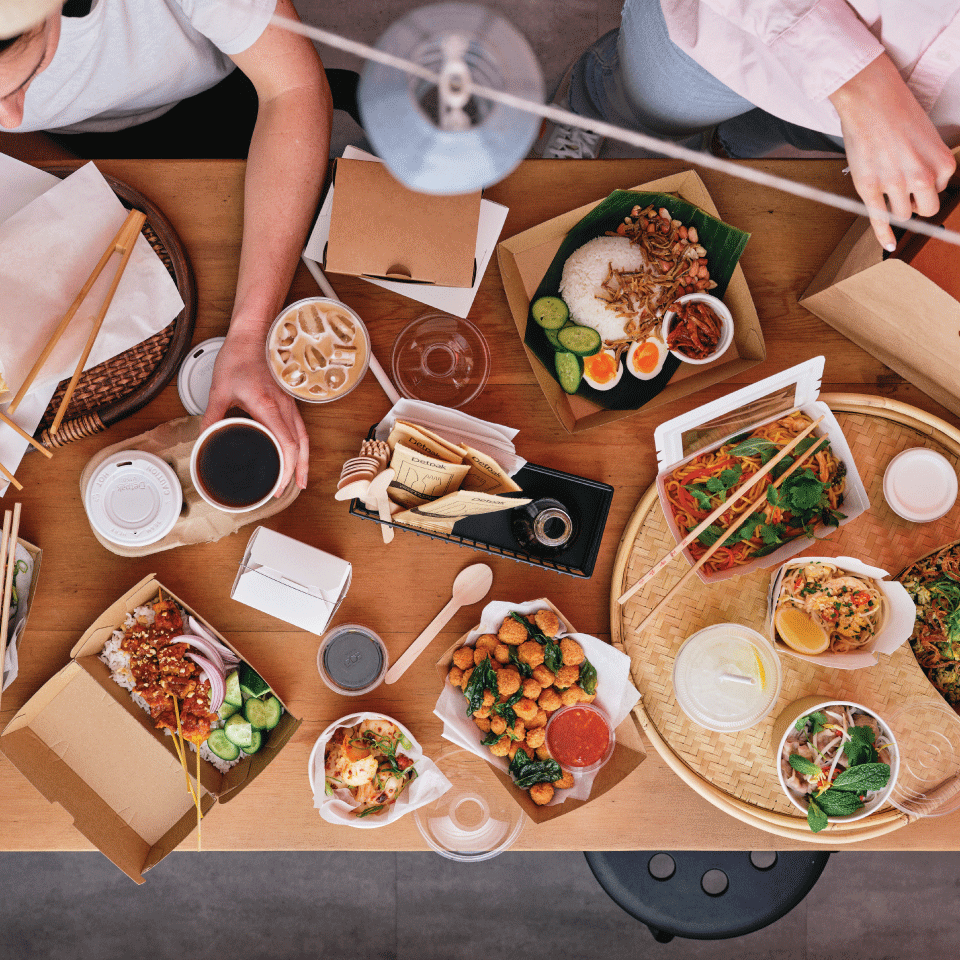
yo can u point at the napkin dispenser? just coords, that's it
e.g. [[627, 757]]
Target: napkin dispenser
[[291, 581]]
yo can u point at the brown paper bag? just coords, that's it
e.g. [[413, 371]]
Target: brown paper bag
[[893, 312]]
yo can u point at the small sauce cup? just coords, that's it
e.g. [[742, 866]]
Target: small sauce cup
[[726, 327], [580, 738]]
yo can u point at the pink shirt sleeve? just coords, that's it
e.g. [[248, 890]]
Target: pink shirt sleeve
[[820, 43]]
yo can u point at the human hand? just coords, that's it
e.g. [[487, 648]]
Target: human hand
[[893, 149], [241, 379]]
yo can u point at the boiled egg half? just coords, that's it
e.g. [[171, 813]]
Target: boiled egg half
[[602, 371], [645, 358]]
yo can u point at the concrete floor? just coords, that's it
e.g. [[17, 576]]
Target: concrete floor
[[419, 906], [413, 906]]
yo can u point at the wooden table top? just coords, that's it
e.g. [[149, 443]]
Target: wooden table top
[[398, 590]]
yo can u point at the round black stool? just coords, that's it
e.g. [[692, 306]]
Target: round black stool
[[706, 896]]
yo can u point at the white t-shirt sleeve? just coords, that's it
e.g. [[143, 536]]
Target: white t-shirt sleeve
[[230, 26]]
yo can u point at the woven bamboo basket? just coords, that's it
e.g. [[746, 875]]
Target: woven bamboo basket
[[737, 771], [111, 391]]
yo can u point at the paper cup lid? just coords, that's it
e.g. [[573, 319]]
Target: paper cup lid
[[476, 819], [196, 373], [928, 735], [726, 677], [133, 498], [920, 484]]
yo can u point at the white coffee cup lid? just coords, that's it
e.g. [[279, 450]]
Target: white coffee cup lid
[[920, 484], [196, 373], [134, 498]]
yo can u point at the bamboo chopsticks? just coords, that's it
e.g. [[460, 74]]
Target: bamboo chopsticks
[[723, 508], [736, 525], [122, 243]]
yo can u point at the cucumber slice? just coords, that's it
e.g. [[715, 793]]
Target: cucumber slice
[[263, 714], [251, 683], [569, 370], [551, 335], [583, 341], [238, 730], [550, 312], [221, 746], [227, 710], [233, 696], [256, 740]]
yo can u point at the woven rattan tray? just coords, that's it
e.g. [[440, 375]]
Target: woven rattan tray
[[111, 391], [736, 771]]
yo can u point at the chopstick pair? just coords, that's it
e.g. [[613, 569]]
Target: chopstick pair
[[8, 566], [732, 529], [723, 508], [26, 436], [122, 243]]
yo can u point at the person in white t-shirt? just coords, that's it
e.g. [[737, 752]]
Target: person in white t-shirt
[[128, 62]]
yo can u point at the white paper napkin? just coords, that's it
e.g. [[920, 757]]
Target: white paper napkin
[[54, 234], [429, 783], [616, 694], [492, 439]]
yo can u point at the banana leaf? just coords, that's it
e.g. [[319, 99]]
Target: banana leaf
[[724, 245]]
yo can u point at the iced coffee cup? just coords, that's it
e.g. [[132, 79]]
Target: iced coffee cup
[[318, 350]]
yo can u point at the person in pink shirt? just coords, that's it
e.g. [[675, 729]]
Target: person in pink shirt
[[876, 79]]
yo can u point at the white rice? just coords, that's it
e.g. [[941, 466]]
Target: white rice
[[119, 663], [584, 272]]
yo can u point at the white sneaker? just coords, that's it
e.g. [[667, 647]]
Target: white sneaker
[[571, 143]]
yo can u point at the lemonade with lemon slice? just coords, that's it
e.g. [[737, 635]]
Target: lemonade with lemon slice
[[726, 677]]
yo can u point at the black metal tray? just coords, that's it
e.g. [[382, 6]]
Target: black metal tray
[[588, 500]]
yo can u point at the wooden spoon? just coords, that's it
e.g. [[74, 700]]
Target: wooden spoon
[[472, 584]]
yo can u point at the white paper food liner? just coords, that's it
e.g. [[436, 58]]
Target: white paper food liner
[[429, 783], [616, 694]]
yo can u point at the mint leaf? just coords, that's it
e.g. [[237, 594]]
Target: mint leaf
[[731, 476], [864, 776], [802, 765], [710, 536], [816, 818], [859, 748], [838, 803], [756, 446], [700, 495]]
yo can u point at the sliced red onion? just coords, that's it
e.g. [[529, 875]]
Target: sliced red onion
[[226, 654], [213, 675], [205, 649]]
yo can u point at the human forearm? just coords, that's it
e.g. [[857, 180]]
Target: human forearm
[[893, 149]]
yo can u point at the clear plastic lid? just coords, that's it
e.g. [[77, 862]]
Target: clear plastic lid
[[726, 677], [196, 374], [476, 819], [920, 485], [928, 735], [134, 498], [441, 359]]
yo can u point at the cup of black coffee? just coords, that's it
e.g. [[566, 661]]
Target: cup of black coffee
[[236, 465]]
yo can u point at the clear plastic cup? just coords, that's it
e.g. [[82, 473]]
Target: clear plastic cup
[[726, 677], [318, 350], [352, 660]]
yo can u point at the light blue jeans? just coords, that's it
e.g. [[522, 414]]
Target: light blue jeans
[[637, 77]]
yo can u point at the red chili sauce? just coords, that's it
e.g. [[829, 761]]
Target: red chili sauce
[[578, 737]]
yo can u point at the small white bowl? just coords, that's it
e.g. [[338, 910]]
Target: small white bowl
[[726, 332], [920, 484], [784, 725]]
